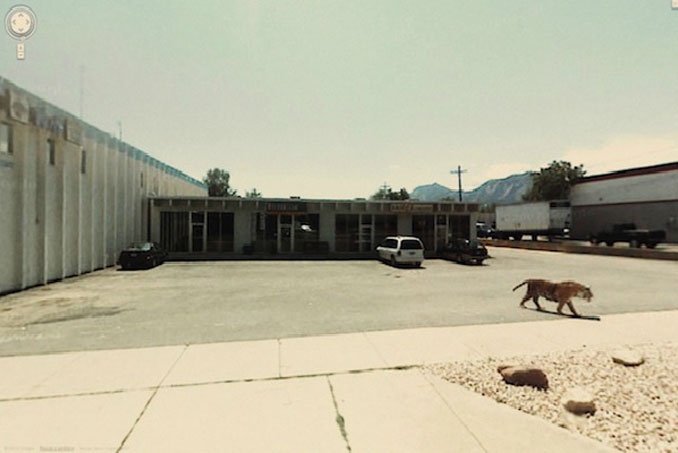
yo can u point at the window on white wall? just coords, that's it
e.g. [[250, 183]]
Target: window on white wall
[[142, 179], [83, 161], [5, 138], [51, 151]]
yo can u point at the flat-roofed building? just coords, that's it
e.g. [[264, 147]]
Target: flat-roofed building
[[221, 227], [646, 196]]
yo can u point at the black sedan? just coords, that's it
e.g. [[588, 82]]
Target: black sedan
[[465, 251], [142, 255], [483, 230]]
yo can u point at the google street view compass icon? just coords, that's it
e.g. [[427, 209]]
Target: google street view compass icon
[[20, 23]]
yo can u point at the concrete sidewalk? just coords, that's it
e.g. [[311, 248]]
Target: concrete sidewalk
[[357, 392]]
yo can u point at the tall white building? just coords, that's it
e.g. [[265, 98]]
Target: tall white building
[[71, 196]]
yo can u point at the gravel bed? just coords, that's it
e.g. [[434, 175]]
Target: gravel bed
[[636, 407]]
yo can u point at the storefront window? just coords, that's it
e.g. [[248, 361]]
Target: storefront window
[[174, 231], [384, 225], [270, 242], [219, 231], [459, 227], [306, 233], [346, 233], [424, 228]]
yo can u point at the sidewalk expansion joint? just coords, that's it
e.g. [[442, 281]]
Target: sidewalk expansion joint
[[297, 376], [451, 409], [195, 384], [73, 395], [155, 392], [339, 418]]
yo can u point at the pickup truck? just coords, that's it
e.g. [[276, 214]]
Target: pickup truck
[[627, 232]]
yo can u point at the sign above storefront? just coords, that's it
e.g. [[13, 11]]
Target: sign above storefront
[[285, 207], [409, 207]]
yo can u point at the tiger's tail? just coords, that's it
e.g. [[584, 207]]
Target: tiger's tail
[[523, 283]]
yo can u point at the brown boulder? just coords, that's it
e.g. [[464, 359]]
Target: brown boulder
[[534, 377], [579, 402], [627, 357], [504, 366]]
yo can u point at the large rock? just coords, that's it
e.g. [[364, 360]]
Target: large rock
[[627, 357], [534, 377], [578, 401]]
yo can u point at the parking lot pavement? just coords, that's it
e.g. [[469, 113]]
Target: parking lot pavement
[[206, 302]]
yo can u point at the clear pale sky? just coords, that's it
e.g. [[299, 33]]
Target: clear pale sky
[[333, 98]]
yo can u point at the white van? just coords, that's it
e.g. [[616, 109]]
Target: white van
[[401, 250]]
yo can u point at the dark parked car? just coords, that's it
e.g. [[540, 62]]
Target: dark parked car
[[142, 255], [483, 230], [627, 232], [465, 251]]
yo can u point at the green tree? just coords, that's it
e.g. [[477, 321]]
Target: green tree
[[217, 182], [554, 182], [386, 193], [401, 194], [253, 193]]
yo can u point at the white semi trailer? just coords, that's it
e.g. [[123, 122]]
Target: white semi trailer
[[542, 218]]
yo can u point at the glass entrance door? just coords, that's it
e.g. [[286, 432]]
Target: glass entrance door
[[286, 234], [441, 232], [197, 232], [365, 235]]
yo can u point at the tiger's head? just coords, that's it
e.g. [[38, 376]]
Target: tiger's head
[[585, 293]]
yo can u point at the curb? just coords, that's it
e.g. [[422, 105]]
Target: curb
[[583, 249]]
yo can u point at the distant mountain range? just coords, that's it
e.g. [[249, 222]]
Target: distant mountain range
[[495, 191]]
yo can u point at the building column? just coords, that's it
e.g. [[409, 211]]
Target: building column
[[328, 229], [405, 224]]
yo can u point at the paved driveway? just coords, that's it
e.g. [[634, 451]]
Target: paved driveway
[[202, 302]]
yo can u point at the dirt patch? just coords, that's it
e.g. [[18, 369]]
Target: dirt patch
[[55, 309], [75, 313]]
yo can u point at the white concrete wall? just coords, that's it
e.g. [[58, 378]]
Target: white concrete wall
[[631, 189], [55, 221]]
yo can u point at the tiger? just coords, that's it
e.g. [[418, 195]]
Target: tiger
[[555, 292]]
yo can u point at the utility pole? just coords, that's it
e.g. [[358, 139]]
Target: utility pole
[[458, 172]]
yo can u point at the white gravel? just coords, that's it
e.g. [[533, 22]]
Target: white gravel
[[637, 407]]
